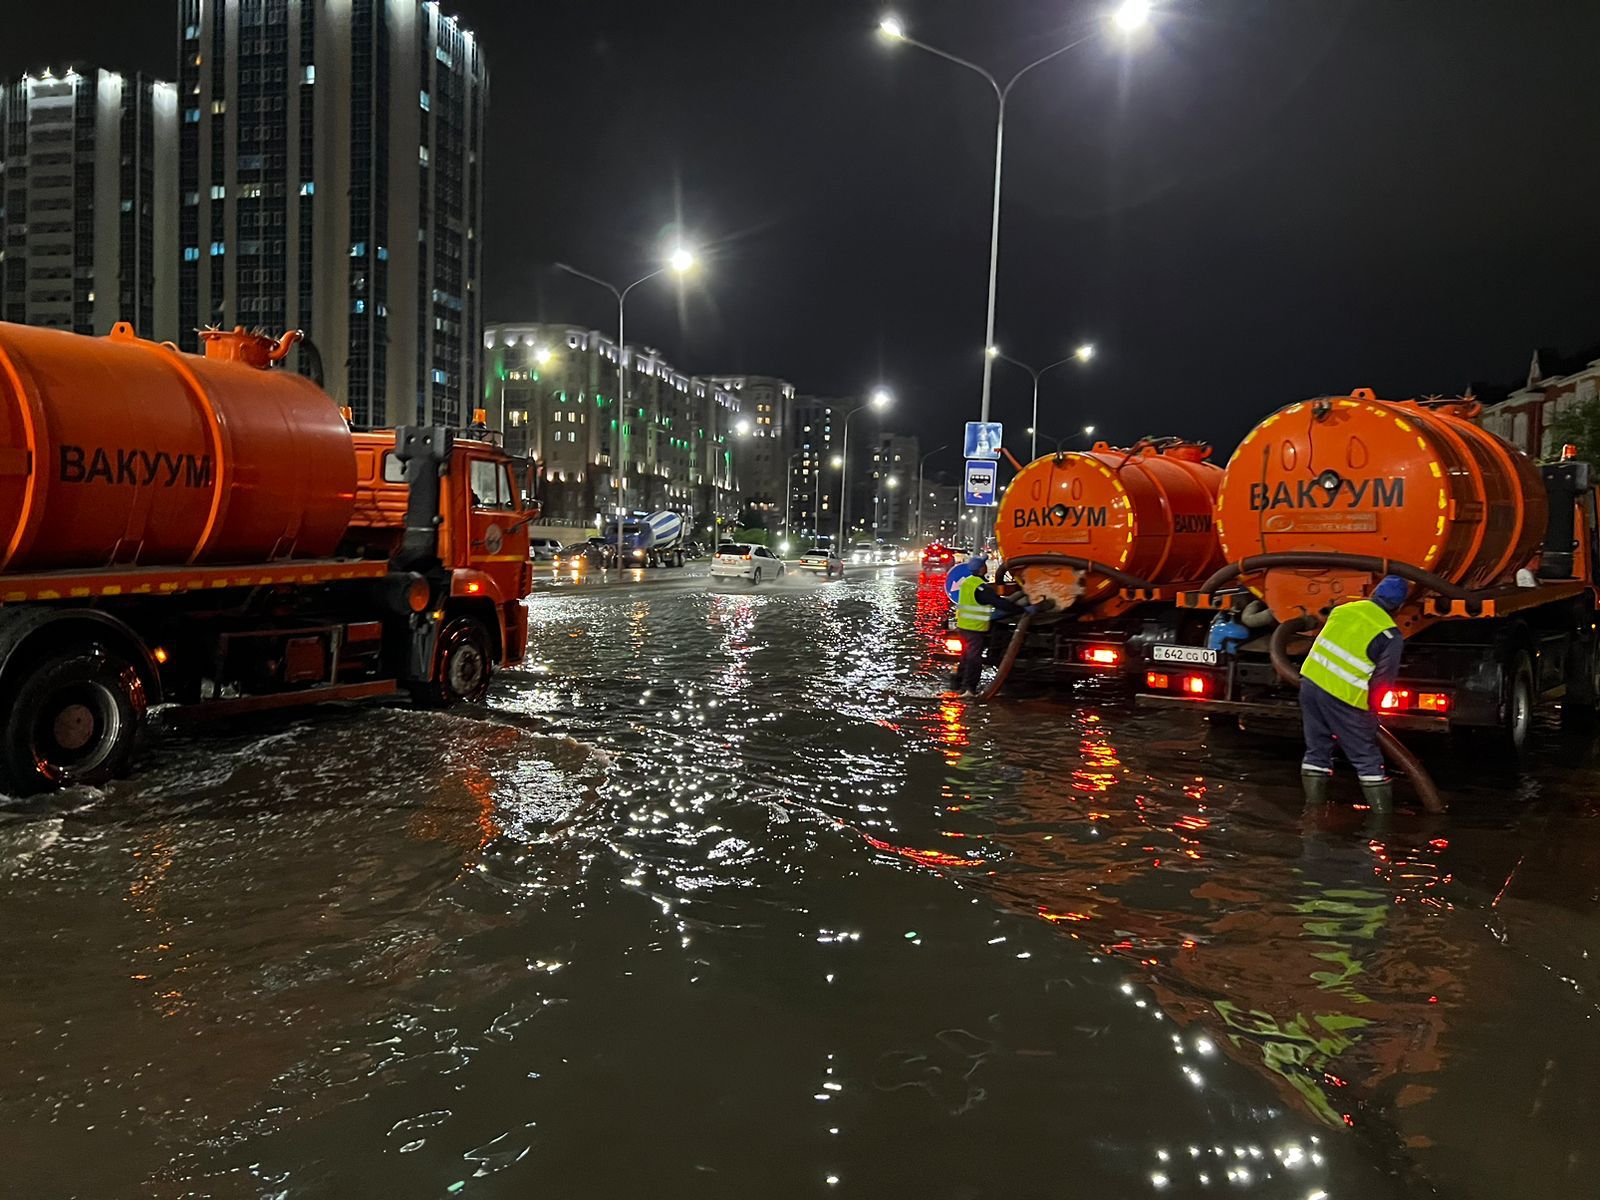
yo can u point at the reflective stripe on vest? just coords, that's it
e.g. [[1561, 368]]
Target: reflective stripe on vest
[[1338, 662], [971, 615]]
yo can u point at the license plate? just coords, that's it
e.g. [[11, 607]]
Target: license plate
[[1194, 655]]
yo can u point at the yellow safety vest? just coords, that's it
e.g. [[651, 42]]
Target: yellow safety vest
[[971, 615], [1338, 662]]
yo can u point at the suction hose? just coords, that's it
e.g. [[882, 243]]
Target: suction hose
[[1392, 749], [1017, 638]]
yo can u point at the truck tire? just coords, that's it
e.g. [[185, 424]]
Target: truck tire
[[75, 718], [1582, 700], [1516, 708], [465, 665]]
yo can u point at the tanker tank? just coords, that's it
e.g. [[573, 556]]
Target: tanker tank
[[1413, 483], [1080, 528], [118, 451]]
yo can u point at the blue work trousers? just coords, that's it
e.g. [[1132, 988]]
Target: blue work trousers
[[1331, 723], [970, 669]]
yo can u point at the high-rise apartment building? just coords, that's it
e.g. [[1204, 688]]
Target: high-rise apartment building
[[893, 485], [331, 158], [766, 444], [814, 484], [88, 183]]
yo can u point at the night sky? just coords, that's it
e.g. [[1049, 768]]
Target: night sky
[[1255, 201]]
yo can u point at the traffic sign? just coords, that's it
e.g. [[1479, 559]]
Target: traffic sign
[[984, 439], [980, 489]]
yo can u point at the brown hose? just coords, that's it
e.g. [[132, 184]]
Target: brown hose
[[1392, 749], [1010, 659], [1349, 562]]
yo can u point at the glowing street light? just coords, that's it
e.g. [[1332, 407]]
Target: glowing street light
[[1129, 17], [880, 400], [1084, 352], [679, 261]]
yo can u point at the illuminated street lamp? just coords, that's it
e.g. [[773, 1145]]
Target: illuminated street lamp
[[1131, 16], [880, 400], [679, 261], [1081, 355]]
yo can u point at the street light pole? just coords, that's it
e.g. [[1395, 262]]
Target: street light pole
[[880, 399], [1082, 354], [895, 31], [679, 262], [921, 491]]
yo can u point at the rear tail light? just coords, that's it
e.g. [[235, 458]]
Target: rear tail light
[[1196, 685], [746, 557], [953, 644], [1404, 699], [1100, 656], [1156, 679]]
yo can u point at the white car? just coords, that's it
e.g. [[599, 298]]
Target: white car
[[864, 553], [745, 560], [543, 549], [823, 560]]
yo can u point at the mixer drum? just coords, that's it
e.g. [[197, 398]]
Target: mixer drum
[[1147, 513], [1406, 481], [121, 451]]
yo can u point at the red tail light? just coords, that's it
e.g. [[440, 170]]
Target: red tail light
[[1394, 699], [1156, 679], [1196, 685], [1100, 656], [746, 557], [1433, 702], [953, 644]]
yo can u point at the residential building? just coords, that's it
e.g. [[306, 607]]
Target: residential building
[[1555, 384], [892, 485], [936, 512], [88, 186], [331, 157], [813, 482], [766, 407], [552, 391]]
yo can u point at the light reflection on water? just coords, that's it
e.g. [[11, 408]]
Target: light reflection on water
[[722, 897]]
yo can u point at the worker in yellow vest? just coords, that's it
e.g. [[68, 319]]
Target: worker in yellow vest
[[1355, 658], [977, 605]]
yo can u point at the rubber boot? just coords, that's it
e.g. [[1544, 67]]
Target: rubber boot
[[1317, 786], [1379, 795]]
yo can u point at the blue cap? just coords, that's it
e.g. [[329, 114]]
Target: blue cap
[[978, 561], [1391, 592]]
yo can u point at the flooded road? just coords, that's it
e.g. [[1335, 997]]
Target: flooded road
[[720, 898]]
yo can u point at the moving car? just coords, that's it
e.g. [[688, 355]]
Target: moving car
[[580, 554], [887, 555], [938, 557], [747, 561], [821, 558], [543, 549], [864, 554]]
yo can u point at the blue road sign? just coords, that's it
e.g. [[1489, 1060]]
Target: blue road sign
[[984, 439], [980, 489]]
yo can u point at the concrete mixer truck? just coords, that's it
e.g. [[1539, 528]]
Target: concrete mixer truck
[[207, 532], [1325, 497], [1109, 537]]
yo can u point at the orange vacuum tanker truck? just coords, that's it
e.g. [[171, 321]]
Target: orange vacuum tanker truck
[[208, 532], [1325, 497], [1109, 537]]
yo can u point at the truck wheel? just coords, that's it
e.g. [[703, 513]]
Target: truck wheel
[[465, 664], [1516, 711], [1582, 701], [74, 719]]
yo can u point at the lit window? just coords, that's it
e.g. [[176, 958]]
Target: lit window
[[191, 116], [383, 254], [358, 250], [191, 254], [360, 306], [218, 107], [218, 249], [218, 191], [308, 189], [422, 155], [310, 75], [427, 105]]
